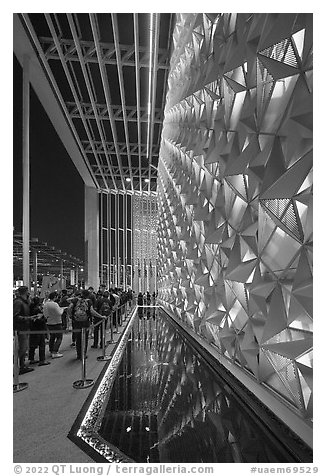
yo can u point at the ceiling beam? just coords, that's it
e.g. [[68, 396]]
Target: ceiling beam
[[72, 25], [135, 171], [131, 112], [106, 88], [25, 42], [121, 87], [122, 148], [71, 84], [108, 53], [137, 69], [153, 93]]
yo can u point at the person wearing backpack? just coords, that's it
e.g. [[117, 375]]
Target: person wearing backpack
[[104, 307], [114, 298], [82, 312], [63, 302]]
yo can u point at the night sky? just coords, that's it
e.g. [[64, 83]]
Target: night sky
[[57, 190]]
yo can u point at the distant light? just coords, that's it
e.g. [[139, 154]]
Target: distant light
[[147, 428], [146, 180], [128, 429]]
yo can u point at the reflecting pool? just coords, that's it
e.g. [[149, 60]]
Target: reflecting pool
[[167, 404]]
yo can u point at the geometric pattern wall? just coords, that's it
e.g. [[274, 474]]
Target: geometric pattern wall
[[235, 193]]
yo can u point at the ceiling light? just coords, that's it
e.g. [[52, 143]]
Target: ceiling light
[[146, 180], [128, 179], [150, 73]]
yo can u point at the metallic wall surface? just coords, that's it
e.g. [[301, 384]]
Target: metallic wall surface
[[235, 193]]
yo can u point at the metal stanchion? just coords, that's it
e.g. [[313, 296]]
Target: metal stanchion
[[84, 382], [116, 322], [103, 357], [111, 341], [18, 387]]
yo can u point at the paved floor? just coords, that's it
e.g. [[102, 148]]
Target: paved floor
[[44, 413]]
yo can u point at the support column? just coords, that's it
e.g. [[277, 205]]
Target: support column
[[124, 238], [132, 255], [35, 271], [61, 274], [109, 284], [26, 174], [72, 277], [101, 198], [117, 254], [91, 238]]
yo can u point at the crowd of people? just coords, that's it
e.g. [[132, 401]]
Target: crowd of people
[[40, 321], [146, 299]]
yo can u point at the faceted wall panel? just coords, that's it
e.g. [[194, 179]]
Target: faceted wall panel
[[235, 193]]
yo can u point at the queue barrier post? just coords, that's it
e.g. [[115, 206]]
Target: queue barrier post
[[83, 382], [111, 341], [17, 386], [120, 315], [103, 357], [116, 322]]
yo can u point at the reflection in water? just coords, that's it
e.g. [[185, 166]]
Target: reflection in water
[[167, 405]]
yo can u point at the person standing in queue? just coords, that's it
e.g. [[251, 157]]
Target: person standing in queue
[[140, 302], [37, 340], [81, 313], [22, 321], [63, 302], [53, 315], [105, 309]]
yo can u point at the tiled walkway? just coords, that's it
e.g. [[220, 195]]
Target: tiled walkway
[[44, 413]]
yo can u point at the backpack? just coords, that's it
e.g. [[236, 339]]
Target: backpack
[[105, 309], [81, 310], [116, 301]]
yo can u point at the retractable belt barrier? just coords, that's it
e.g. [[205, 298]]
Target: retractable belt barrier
[[83, 382]]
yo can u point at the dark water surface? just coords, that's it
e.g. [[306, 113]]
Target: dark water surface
[[167, 405]]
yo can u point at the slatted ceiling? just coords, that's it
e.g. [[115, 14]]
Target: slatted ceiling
[[133, 133], [143, 78], [100, 66], [120, 131], [96, 83], [39, 24], [107, 129], [105, 27], [129, 79], [125, 25]]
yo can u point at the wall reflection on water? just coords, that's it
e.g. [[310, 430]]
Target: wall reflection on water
[[166, 405]]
